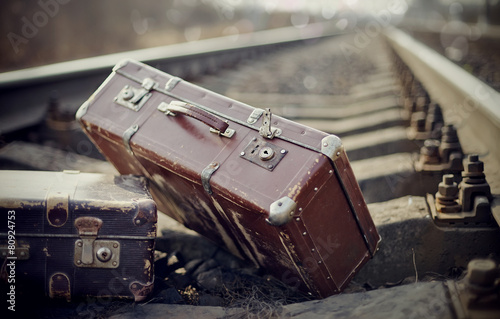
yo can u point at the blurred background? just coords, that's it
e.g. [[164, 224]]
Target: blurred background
[[48, 31]]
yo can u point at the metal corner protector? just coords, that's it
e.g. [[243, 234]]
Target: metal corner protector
[[281, 211], [331, 146], [122, 63], [82, 110]]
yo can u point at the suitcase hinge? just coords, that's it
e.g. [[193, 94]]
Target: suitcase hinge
[[256, 114], [134, 98], [169, 86], [93, 253], [331, 146], [266, 130], [281, 211]]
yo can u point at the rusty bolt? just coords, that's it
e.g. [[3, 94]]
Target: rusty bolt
[[447, 195], [473, 171], [449, 134], [474, 165], [434, 120], [482, 273], [418, 121], [429, 153], [448, 188]]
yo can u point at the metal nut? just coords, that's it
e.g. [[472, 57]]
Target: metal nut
[[482, 272], [454, 208], [448, 188], [474, 165], [430, 148], [449, 134]]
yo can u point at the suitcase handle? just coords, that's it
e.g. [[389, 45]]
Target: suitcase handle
[[190, 110]]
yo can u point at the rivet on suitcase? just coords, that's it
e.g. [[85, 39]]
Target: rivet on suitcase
[[71, 234], [271, 190]]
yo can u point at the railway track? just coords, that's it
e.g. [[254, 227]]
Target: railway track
[[405, 119]]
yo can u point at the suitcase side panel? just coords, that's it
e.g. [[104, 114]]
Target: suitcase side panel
[[187, 202], [128, 217], [353, 193]]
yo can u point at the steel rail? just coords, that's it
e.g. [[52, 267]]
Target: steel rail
[[25, 94], [467, 102], [162, 54]]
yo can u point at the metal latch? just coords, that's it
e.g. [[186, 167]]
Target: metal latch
[[90, 252], [266, 130], [18, 251], [134, 98]]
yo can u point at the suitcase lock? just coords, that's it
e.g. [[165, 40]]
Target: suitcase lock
[[134, 98], [91, 252]]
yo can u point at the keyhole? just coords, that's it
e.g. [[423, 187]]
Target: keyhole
[[127, 94], [266, 153], [104, 254]]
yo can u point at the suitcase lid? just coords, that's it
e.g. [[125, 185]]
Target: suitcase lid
[[52, 202], [269, 126]]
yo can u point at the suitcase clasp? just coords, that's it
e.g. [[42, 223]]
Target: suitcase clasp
[[266, 130], [90, 252]]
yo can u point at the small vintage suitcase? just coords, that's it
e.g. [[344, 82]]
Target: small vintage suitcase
[[70, 234], [276, 192]]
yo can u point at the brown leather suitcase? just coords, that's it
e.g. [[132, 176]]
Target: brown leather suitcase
[[276, 192], [70, 235]]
